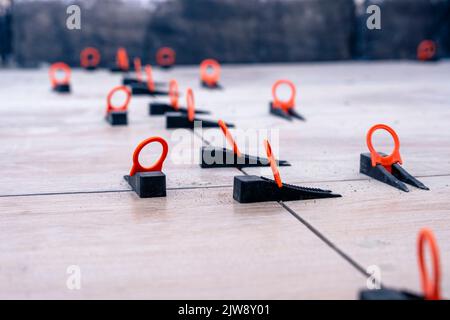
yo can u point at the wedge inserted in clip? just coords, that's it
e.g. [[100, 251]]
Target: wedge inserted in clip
[[249, 189], [141, 89], [212, 157], [176, 120], [147, 87], [396, 178], [188, 120], [284, 109], [156, 108], [285, 114], [129, 80], [385, 168]]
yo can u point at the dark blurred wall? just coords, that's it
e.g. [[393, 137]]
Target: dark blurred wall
[[41, 33], [6, 35], [254, 31], [405, 23], [230, 30]]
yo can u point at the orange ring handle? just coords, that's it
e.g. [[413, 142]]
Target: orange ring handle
[[190, 102], [431, 288], [173, 94], [149, 74], [387, 161], [229, 137], [123, 107], [122, 59], [59, 66], [138, 68], [157, 166], [90, 57], [285, 105], [210, 72], [165, 57], [426, 50], [273, 164]]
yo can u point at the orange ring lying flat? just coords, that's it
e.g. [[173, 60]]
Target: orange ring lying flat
[[123, 107], [149, 74], [273, 164], [210, 78], [174, 94], [90, 57], [59, 66], [431, 289], [137, 167], [122, 60], [190, 102], [229, 137], [285, 105], [165, 57], [387, 161], [426, 50]]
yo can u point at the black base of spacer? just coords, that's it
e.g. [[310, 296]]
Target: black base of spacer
[[117, 118], [157, 109], [148, 184], [176, 120], [203, 84], [62, 88], [126, 81], [388, 294]]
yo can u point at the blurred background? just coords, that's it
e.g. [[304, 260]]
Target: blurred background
[[231, 31]]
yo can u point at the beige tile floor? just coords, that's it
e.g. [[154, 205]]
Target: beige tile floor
[[63, 200]]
